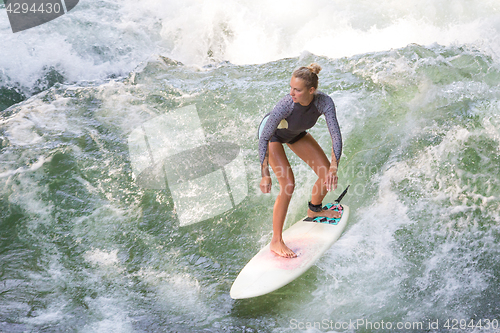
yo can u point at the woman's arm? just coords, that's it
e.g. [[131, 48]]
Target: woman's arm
[[331, 178], [280, 112], [327, 107], [265, 182]]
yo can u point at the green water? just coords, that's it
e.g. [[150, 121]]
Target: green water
[[84, 248]]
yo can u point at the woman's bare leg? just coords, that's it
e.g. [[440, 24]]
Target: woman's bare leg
[[310, 152], [283, 171]]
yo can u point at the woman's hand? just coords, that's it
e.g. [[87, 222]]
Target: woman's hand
[[331, 180], [265, 184]]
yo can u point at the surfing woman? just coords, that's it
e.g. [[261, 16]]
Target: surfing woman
[[287, 123]]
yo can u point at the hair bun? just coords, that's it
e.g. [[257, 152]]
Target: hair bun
[[315, 68]]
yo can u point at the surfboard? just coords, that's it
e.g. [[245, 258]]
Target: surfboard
[[267, 271]]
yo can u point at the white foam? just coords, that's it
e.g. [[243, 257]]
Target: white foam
[[102, 258], [259, 32], [179, 292], [33, 167], [112, 317], [95, 40]]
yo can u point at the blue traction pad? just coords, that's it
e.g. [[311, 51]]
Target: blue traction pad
[[322, 219]]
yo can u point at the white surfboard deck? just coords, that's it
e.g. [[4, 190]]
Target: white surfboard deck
[[267, 272]]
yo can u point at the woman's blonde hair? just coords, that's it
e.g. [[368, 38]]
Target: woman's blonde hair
[[309, 75]]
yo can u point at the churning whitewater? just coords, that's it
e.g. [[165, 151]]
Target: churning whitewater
[[113, 220]]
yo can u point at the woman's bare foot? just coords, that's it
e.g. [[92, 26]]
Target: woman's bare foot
[[279, 247], [325, 213]]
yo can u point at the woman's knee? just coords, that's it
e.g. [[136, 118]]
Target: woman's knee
[[287, 187]]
